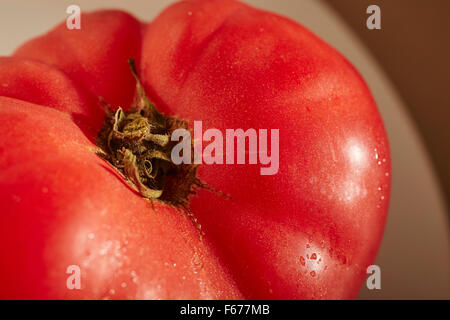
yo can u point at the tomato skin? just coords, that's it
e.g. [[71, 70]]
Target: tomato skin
[[62, 205], [308, 232], [95, 56], [232, 66], [41, 84]]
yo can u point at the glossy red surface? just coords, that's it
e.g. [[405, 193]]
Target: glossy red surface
[[308, 232]]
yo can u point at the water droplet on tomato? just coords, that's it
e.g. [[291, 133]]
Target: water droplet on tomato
[[342, 259], [302, 261]]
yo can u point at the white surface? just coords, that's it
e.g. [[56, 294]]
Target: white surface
[[414, 257]]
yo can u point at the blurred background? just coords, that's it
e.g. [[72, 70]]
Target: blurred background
[[406, 65]]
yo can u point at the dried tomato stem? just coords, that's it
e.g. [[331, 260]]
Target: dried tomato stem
[[137, 143]]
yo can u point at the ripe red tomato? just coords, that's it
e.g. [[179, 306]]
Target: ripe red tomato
[[307, 232]]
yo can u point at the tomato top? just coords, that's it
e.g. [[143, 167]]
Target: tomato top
[[306, 232]]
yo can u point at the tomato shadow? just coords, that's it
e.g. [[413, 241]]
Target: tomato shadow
[[87, 125], [108, 167]]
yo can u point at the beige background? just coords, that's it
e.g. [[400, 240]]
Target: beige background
[[414, 257]]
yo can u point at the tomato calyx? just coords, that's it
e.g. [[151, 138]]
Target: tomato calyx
[[137, 143]]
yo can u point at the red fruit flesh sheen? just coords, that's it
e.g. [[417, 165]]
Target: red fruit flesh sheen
[[253, 69], [78, 211], [307, 232]]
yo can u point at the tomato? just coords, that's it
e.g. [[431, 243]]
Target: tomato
[[307, 232]]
